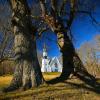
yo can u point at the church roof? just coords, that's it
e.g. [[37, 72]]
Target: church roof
[[53, 61]]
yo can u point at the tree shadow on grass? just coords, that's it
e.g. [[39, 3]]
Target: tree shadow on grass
[[90, 82], [84, 86], [82, 74]]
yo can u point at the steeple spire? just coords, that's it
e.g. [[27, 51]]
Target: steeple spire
[[44, 51], [44, 47]]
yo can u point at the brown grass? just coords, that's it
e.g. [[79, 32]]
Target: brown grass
[[59, 91], [5, 80]]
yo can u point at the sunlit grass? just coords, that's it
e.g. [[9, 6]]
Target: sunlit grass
[[5, 80], [49, 76]]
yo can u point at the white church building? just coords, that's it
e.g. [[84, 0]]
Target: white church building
[[50, 65]]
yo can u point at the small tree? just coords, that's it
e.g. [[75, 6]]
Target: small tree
[[89, 53]]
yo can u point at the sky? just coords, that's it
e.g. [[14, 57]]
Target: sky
[[83, 30]]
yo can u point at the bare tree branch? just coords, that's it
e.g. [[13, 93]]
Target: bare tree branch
[[62, 6], [6, 58], [54, 7], [41, 31], [43, 7], [72, 13], [89, 14]]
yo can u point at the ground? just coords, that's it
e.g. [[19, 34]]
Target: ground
[[72, 89]]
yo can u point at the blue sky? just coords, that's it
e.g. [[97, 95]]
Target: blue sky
[[82, 29], [83, 32]]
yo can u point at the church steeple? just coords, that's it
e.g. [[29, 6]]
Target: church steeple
[[44, 51], [50, 64]]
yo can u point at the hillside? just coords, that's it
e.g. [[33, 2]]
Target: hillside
[[73, 89]]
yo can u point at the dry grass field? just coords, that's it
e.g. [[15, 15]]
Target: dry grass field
[[72, 89]]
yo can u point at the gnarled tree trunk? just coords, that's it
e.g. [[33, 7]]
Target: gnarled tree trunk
[[67, 50], [65, 45], [71, 61], [27, 72]]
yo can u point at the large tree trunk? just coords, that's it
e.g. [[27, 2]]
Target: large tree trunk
[[67, 50], [27, 72], [71, 61]]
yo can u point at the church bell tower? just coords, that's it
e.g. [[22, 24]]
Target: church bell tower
[[44, 59]]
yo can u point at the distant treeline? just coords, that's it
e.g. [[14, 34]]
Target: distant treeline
[[6, 67]]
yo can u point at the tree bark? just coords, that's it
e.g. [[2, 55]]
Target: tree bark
[[67, 50], [27, 72], [64, 43], [71, 61]]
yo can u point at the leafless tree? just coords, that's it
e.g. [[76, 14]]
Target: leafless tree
[[54, 16], [89, 54], [27, 70], [6, 37], [59, 19]]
